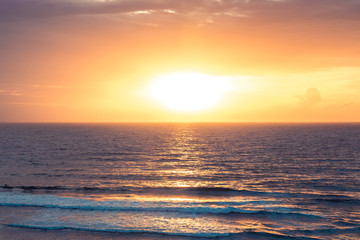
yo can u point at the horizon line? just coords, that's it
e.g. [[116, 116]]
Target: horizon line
[[184, 122]]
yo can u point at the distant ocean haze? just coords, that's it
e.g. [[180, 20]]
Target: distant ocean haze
[[180, 180]]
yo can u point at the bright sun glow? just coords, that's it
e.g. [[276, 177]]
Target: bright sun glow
[[186, 91]]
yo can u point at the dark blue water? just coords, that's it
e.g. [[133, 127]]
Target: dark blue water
[[233, 181]]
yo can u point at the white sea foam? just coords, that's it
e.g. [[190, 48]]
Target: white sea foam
[[178, 205]]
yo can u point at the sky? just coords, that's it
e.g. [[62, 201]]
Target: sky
[[97, 60]]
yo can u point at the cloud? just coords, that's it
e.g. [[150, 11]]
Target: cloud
[[37, 9], [11, 10], [24, 10], [347, 105], [10, 92], [311, 98]]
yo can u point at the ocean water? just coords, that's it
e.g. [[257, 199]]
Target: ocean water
[[179, 181]]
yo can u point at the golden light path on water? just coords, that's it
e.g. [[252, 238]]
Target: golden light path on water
[[186, 213]]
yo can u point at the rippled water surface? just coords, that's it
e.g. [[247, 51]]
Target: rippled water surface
[[180, 181]]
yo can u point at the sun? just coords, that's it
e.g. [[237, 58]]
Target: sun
[[188, 91]]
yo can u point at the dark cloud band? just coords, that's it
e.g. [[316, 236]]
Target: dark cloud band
[[270, 9]]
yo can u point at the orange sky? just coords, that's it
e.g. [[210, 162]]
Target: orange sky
[[95, 61]]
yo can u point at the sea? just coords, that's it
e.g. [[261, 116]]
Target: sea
[[180, 181]]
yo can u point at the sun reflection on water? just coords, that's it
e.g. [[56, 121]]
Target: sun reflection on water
[[182, 158]]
